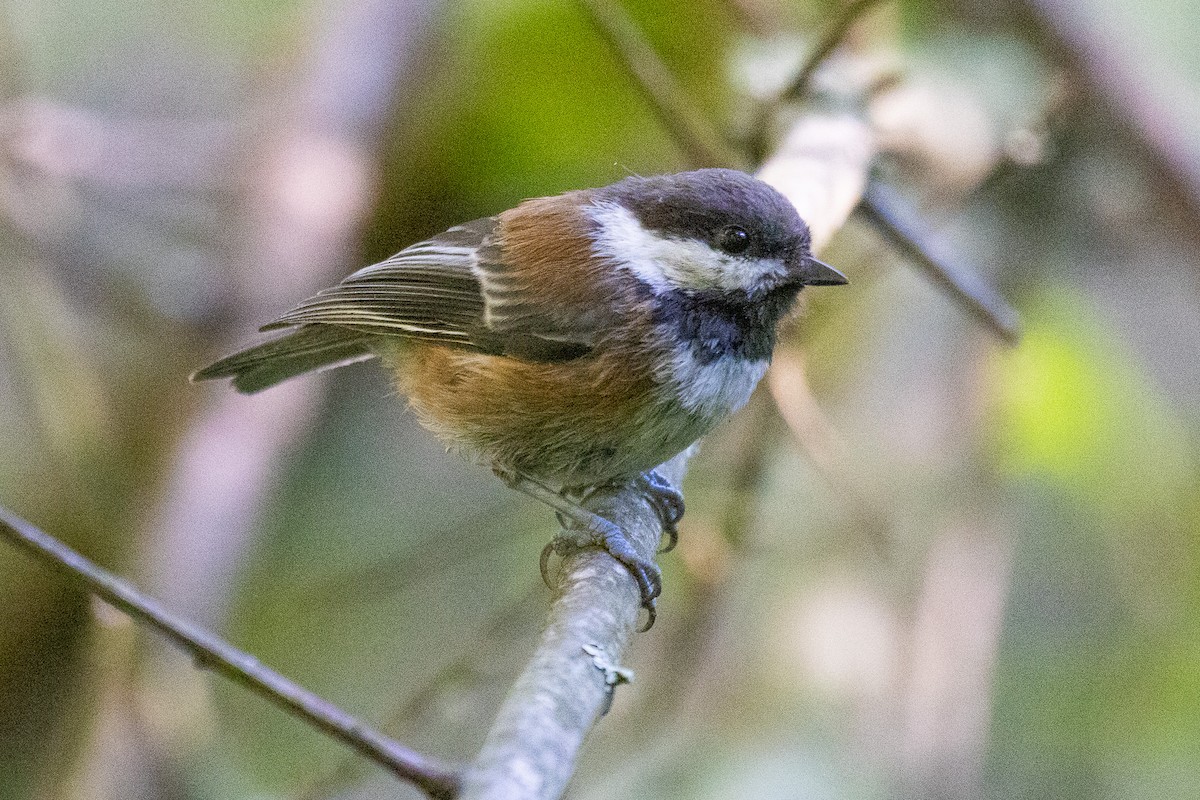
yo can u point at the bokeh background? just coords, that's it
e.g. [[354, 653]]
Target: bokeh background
[[920, 564]]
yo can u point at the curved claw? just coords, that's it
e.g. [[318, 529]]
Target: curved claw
[[611, 539], [669, 505], [667, 502], [645, 574], [648, 578], [672, 534], [544, 564], [589, 528], [651, 616]]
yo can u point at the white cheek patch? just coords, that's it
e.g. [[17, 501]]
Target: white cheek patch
[[714, 389], [665, 263]]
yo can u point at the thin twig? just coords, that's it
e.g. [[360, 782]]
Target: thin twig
[[800, 83], [702, 145], [883, 209], [211, 652], [834, 35]]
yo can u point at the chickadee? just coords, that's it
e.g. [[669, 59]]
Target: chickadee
[[573, 341]]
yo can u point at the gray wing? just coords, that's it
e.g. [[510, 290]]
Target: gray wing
[[432, 291], [429, 291], [426, 291], [309, 348]]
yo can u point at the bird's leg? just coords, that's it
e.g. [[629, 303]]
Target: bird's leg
[[596, 530], [667, 502]]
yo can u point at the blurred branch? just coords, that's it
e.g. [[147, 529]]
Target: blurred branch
[[826, 450], [531, 748], [701, 143], [834, 35], [948, 678], [757, 445], [301, 182], [310, 193], [1107, 68], [799, 85], [760, 17], [211, 652], [820, 165], [882, 207]]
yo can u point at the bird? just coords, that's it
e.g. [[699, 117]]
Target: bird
[[573, 341]]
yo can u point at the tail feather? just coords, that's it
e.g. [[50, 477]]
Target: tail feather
[[308, 348]]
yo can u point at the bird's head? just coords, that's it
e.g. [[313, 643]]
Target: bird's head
[[710, 229]]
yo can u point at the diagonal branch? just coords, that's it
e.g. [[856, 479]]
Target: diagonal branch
[[211, 652]]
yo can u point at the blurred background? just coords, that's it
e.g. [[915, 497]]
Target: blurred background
[[920, 564]]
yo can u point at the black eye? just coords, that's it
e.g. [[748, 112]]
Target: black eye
[[733, 239]]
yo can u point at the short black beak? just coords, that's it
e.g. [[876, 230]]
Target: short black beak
[[818, 273]]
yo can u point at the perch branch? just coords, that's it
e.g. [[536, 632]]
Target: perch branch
[[530, 751], [213, 653]]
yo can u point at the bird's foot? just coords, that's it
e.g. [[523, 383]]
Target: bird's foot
[[667, 502], [583, 528], [590, 530]]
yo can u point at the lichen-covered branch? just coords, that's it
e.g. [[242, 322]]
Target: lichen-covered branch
[[531, 749]]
